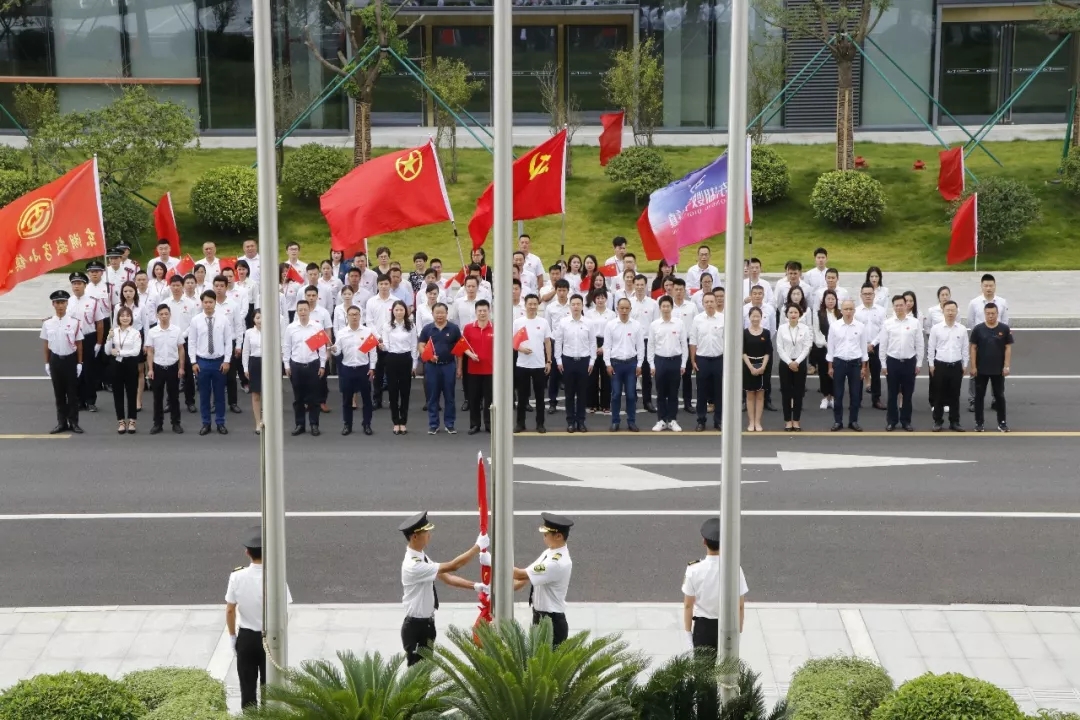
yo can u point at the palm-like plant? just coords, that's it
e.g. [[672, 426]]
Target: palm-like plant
[[514, 673], [367, 688]]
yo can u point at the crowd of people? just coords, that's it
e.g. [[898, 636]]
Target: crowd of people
[[605, 335]]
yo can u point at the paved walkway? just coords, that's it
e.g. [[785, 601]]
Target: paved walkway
[[1032, 652], [1036, 299]]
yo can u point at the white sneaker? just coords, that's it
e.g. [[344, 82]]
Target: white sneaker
[[946, 408], [830, 403], [824, 404], [660, 426], [674, 426]]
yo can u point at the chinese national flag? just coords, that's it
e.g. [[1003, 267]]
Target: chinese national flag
[[396, 191], [520, 336], [609, 270], [964, 242], [460, 347], [539, 188], [648, 237], [586, 283], [183, 267], [51, 227], [318, 340], [165, 224], [227, 263], [428, 353], [951, 174], [611, 137], [485, 570], [294, 276], [370, 343]]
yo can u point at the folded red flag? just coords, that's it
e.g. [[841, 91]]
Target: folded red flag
[[586, 283], [318, 340], [520, 336], [428, 353], [609, 270], [658, 293], [294, 276], [460, 347], [369, 344], [611, 137]]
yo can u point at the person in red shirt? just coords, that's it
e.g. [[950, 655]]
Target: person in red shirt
[[481, 338]]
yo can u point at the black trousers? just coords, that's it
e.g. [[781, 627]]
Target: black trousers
[[710, 387], [901, 383], [415, 634], [231, 377], [792, 390], [91, 374], [946, 382], [997, 385], [559, 629], [599, 392], [875, 374], [166, 382], [398, 373], [250, 666], [526, 379], [706, 633], [479, 391], [380, 378], [190, 385], [102, 367], [576, 381], [554, 379], [687, 383], [354, 380], [825, 383], [646, 380], [305, 385], [667, 387], [65, 382], [125, 386]]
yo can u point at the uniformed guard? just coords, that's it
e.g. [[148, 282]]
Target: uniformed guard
[[701, 591], [418, 574], [244, 619], [63, 362], [550, 576]]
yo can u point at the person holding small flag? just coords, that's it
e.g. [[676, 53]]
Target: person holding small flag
[[289, 289], [229, 311], [163, 257], [478, 345], [532, 340], [63, 362], [356, 345], [618, 244], [399, 350], [624, 354], [303, 353], [435, 346]]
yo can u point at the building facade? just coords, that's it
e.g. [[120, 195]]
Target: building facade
[[969, 55]]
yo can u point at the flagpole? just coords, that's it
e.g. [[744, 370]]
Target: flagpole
[[276, 618], [457, 239], [502, 437], [566, 158]]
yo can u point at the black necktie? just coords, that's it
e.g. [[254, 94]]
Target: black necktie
[[434, 590]]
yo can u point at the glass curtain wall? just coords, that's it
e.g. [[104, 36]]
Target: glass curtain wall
[[588, 57], [227, 93], [471, 45], [906, 33], [161, 43]]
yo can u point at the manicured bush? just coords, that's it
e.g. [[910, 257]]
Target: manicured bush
[[187, 707], [838, 688], [162, 685], [848, 198], [227, 198], [312, 169], [685, 688], [1054, 715], [1070, 170], [769, 176], [952, 695], [70, 696], [11, 158], [1006, 209], [639, 170], [14, 184], [126, 217]]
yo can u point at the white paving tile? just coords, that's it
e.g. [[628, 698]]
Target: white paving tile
[[895, 643], [981, 645], [971, 621], [937, 645], [1040, 673], [78, 622], [8, 621], [150, 644], [69, 646], [926, 621], [1000, 671], [786, 642], [779, 619], [25, 647], [13, 670], [130, 621], [820, 619], [1010, 621], [1061, 646], [1071, 669], [657, 619], [884, 620], [823, 643], [48, 666], [160, 621], [103, 666], [1053, 623], [1026, 646], [38, 623]]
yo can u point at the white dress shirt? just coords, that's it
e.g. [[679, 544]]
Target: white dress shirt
[[397, 339], [624, 341], [254, 267], [534, 266], [768, 317], [341, 318], [821, 335], [181, 311], [847, 341], [819, 294], [418, 575], [793, 344], [329, 291], [463, 311], [538, 331], [347, 345], [322, 318], [62, 334], [246, 592], [707, 335], [556, 311], [140, 316], [377, 310], [769, 298], [550, 578], [815, 277], [948, 344], [883, 299], [235, 315], [977, 310], [169, 264], [129, 342], [88, 311], [199, 340], [213, 267], [901, 339], [644, 310], [166, 344], [667, 339], [693, 276], [294, 347], [932, 317], [783, 289], [252, 292], [575, 339], [702, 582], [599, 322], [252, 347], [872, 318]]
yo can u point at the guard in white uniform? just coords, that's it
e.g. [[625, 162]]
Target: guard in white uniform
[[701, 591], [550, 576], [418, 574], [63, 362]]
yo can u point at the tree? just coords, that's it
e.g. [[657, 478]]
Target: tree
[[34, 108], [1061, 17], [843, 23], [449, 79], [768, 67], [288, 104], [636, 82], [560, 114], [368, 27]]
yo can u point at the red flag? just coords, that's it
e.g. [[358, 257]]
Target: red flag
[[165, 224], [226, 263], [460, 347], [294, 275], [648, 238], [658, 293], [611, 137], [428, 353], [609, 270], [370, 343], [318, 340], [520, 336], [183, 267], [586, 283], [964, 241], [485, 570], [51, 227], [539, 188], [950, 181], [396, 191], [459, 278]]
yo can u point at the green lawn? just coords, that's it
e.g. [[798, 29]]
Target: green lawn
[[912, 237]]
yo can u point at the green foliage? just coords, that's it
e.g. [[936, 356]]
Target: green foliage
[[635, 83], [312, 169], [1059, 16], [1054, 715], [371, 16], [11, 158], [838, 688], [1006, 207], [187, 707], [371, 687], [766, 75], [227, 198], [1070, 170], [515, 673], [155, 687], [449, 79], [14, 184], [70, 696], [127, 218], [848, 199], [639, 171], [34, 106], [823, 20], [952, 695], [769, 175]]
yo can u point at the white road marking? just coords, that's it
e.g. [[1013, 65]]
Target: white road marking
[[862, 645]]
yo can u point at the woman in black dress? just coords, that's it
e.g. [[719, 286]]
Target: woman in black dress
[[757, 347]]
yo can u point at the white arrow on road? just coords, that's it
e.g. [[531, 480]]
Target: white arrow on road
[[624, 473]]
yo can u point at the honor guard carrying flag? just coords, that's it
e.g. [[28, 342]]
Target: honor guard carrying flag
[[63, 362], [244, 620], [550, 576], [418, 575], [701, 591]]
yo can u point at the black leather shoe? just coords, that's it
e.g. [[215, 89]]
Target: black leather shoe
[[222, 430], [615, 427], [519, 428], [58, 429], [650, 408], [717, 427], [91, 408], [700, 427], [204, 430], [465, 406], [377, 405], [346, 430], [938, 427], [879, 405], [631, 427], [890, 428], [191, 409], [770, 407], [315, 431], [234, 408], [855, 426], [75, 429], [836, 427], [178, 429], [424, 408], [955, 427], [474, 430], [541, 429], [571, 429], [908, 428], [156, 430], [367, 430], [581, 428], [686, 408], [553, 408], [298, 430], [978, 428]]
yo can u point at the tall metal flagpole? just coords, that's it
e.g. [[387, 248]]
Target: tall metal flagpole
[[275, 610], [502, 436], [731, 468]]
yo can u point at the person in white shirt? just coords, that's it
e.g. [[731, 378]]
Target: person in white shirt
[[251, 357], [701, 592], [547, 293], [228, 311], [698, 297], [425, 307], [872, 316], [529, 284], [464, 308], [140, 314], [549, 576], [292, 258], [706, 347], [832, 279], [157, 287], [165, 360], [399, 354], [329, 286], [976, 316], [557, 308], [304, 367], [753, 277], [368, 277], [91, 314], [360, 294], [934, 316], [792, 278], [575, 356], [532, 338], [210, 259], [399, 289], [357, 347], [599, 392], [251, 257], [124, 346], [251, 291], [376, 315], [824, 319], [693, 274], [901, 342], [685, 310], [115, 274], [793, 342], [322, 318], [668, 355], [881, 293], [848, 365], [289, 292], [815, 277], [644, 309], [341, 318], [210, 340], [618, 244], [947, 357], [768, 321], [63, 346], [382, 261], [624, 354], [98, 287], [163, 257], [533, 265]]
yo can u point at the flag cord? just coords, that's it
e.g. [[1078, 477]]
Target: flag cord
[[562, 241]]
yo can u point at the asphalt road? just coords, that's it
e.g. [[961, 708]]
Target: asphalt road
[[627, 545]]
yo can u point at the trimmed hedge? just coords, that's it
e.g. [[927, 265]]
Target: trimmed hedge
[[70, 696], [769, 175], [1054, 715], [167, 684], [1070, 170], [952, 695], [187, 707], [838, 688], [312, 169], [13, 185], [227, 198], [1007, 208], [11, 158], [848, 198], [639, 170]]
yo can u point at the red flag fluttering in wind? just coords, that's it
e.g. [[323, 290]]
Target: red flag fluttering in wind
[[648, 238], [611, 137], [459, 279], [485, 570], [964, 241], [183, 267], [586, 283], [318, 340], [294, 275], [950, 181], [165, 224], [460, 347], [227, 263], [609, 270], [428, 353], [370, 343]]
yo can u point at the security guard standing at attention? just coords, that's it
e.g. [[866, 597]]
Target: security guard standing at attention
[[418, 574], [701, 591], [550, 576], [244, 619], [63, 362]]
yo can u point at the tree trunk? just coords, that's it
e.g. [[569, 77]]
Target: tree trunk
[[845, 121], [280, 154], [453, 154], [569, 159], [362, 134]]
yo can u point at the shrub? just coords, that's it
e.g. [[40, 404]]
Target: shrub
[[685, 687], [311, 169], [126, 217], [1070, 170], [952, 695], [13, 185], [769, 175], [161, 685], [639, 171], [838, 688], [1054, 715], [227, 198], [1006, 208], [11, 158], [70, 696], [187, 707], [848, 198]]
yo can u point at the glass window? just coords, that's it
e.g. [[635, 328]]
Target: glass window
[[397, 101], [227, 97], [307, 76], [89, 45], [533, 48], [1048, 94], [161, 44], [970, 68], [471, 45], [681, 33], [25, 48], [906, 33], [588, 57]]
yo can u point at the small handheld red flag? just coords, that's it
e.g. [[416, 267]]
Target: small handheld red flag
[[318, 340], [165, 224], [428, 353], [183, 267], [294, 276], [611, 136], [586, 283], [658, 293], [227, 263], [520, 336], [370, 343], [460, 347], [951, 173], [964, 241], [609, 270]]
